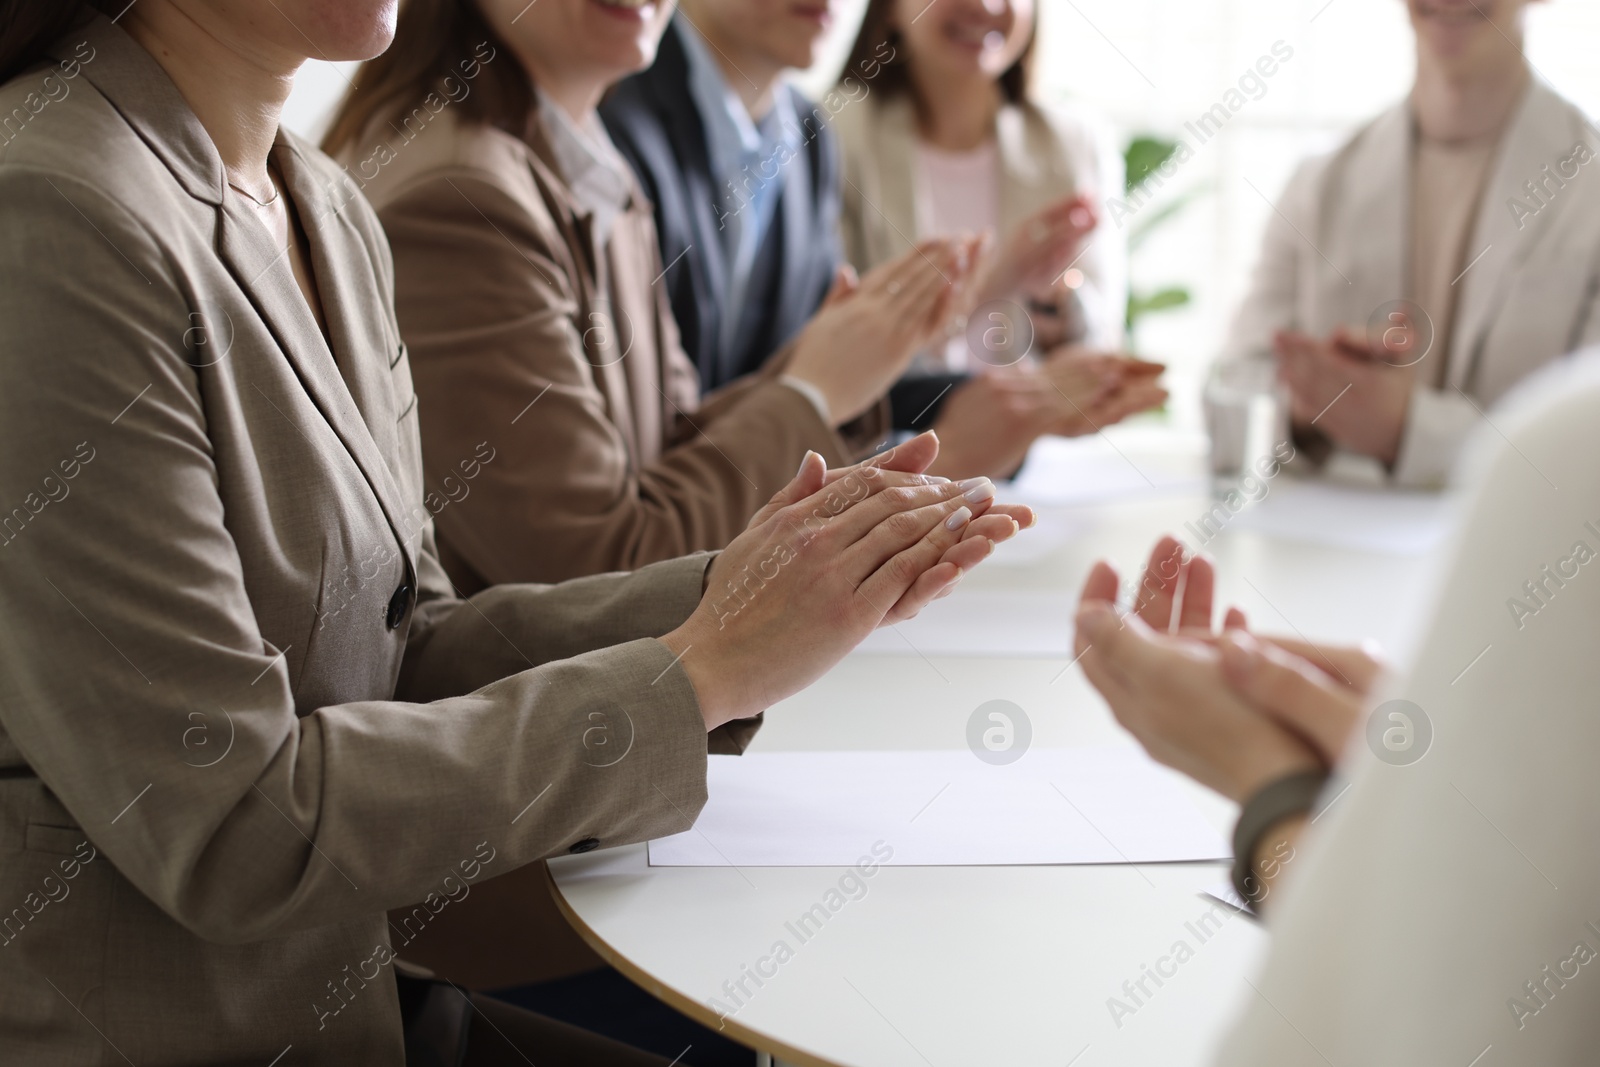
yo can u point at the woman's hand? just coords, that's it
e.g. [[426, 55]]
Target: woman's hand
[[1309, 695], [1035, 254], [988, 422], [1358, 392], [866, 332], [1171, 694], [822, 566], [1099, 389]]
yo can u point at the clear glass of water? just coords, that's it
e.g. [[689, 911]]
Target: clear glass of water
[[1247, 418]]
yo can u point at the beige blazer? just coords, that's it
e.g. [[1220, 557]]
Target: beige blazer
[[560, 351], [1045, 153], [1447, 905], [241, 713], [1336, 250]]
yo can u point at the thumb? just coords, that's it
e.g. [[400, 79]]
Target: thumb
[[845, 283], [807, 480]]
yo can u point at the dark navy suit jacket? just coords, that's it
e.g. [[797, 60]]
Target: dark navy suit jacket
[[653, 120]]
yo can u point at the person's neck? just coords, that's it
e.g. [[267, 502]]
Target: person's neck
[[236, 91], [956, 116], [752, 76], [578, 98], [1459, 105]]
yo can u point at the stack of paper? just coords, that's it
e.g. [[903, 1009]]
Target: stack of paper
[[1100, 804]]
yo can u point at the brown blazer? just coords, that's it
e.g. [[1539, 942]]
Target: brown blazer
[[241, 713], [561, 353]]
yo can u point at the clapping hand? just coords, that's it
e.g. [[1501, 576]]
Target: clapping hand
[[1356, 389], [1232, 710], [866, 332], [832, 557]]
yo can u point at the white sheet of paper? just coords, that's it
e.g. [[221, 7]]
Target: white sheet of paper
[[1094, 804], [982, 622], [1077, 471], [1368, 520]]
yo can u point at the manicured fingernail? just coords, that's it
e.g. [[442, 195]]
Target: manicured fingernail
[[958, 518], [803, 461], [977, 489]]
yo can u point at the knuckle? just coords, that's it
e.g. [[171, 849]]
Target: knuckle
[[903, 526], [903, 569]]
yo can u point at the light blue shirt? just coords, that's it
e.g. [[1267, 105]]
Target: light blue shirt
[[748, 163]]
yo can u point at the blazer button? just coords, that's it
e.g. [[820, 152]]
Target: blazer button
[[588, 844], [398, 604]]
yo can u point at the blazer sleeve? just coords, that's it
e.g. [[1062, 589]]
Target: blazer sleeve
[[1478, 832], [1272, 301], [1438, 423], [138, 612], [490, 314]]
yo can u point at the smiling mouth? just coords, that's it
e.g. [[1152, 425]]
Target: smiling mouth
[[1452, 14], [976, 36], [629, 5]]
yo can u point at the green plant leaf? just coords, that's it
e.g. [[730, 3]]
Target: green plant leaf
[[1143, 155]]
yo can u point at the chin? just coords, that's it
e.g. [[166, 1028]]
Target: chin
[[349, 30]]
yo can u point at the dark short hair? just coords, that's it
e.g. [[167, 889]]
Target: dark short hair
[[877, 29]]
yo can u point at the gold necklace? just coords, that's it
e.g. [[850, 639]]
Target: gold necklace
[[248, 195]]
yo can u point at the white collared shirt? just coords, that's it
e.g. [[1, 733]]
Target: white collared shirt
[[595, 172]]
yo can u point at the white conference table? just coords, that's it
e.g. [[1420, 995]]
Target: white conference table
[[940, 966]]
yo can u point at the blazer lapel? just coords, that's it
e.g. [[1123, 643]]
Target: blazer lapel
[[896, 206], [605, 334], [1538, 135], [669, 81], [797, 240], [264, 273], [1026, 156], [1365, 244]]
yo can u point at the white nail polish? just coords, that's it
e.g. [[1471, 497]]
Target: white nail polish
[[958, 518], [977, 489]]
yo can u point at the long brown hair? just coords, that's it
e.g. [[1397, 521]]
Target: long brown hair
[[29, 27], [435, 40], [878, 30]]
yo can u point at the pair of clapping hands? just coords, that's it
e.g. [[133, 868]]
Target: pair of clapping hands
[[1354, 384], [832, 557], [868, 329], [1233, 710], [988, 423]]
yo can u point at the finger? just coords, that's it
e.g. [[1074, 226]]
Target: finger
[[807, 480], [1108, 645], [1235, 620], [914, 456], [1199, 589], [1021, 514], [1102, 584], [920, 295], [902, 548], [1159, 586], [845, 521], [1294, 692], [968, 552], [938, 581], [1355, 667], [845, 284]]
